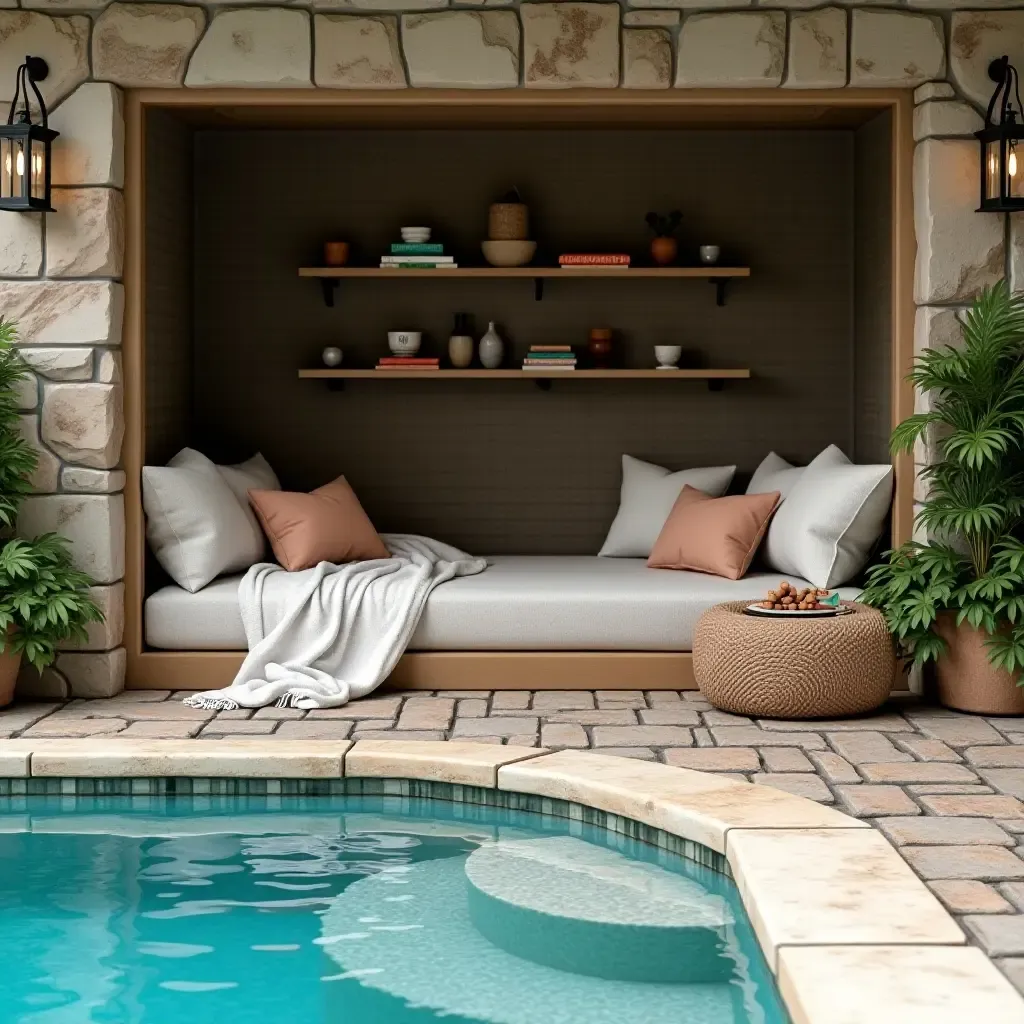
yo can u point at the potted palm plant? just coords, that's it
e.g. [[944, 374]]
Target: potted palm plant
[[44, 600], [957, 601]]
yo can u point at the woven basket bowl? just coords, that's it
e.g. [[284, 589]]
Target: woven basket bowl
[[793, 668]]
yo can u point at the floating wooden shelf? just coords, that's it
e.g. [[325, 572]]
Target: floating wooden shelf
[[714, 378], [330, 277]]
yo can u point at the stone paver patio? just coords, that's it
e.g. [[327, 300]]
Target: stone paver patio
[[946, 789]]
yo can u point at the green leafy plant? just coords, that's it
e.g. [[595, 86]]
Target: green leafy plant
[[664, 225], [44, 600], [975, 502]]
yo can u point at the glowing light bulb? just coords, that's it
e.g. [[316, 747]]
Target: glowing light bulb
[[1011, 164], [19, 164]]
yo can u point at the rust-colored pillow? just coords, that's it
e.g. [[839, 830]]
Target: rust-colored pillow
[[714, 535], [326, 525]]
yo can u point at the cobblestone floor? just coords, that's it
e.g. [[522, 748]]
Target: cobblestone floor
[[946, 789]]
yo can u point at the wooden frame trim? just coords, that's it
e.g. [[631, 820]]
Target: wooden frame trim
[[471, 669]]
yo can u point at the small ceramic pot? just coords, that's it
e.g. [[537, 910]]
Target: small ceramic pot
[[668, 356], [404, 343], [664, 251], [599, 347], [709, 253], [332, 356], [335, 254]]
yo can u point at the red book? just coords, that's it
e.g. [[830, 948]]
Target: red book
[[581, 259], [408, 361]]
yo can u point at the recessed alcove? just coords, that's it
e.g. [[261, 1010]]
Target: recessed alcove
[[808, 193]]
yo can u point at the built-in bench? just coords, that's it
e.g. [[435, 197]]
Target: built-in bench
[[520, 603]]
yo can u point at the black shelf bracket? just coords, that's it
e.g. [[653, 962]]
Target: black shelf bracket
[[538, 288], [719, 283], [543, 383], [716, 383], [335, 384], [329, 286]]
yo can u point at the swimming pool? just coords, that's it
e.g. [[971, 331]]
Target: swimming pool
[[350, 909]]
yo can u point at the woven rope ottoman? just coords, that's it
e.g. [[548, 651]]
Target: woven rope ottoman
[[793, 668]]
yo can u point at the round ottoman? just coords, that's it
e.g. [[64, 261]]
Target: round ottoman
[[793, 668]]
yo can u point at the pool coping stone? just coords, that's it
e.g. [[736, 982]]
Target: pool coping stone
[[838, 913]]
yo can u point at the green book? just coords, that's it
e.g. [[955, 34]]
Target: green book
[[417, 248], [556, 356]]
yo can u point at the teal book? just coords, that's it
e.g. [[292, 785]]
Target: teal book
[[555, 356], [417, 248]]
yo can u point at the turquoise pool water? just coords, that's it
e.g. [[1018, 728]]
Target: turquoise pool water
[[340, 910]]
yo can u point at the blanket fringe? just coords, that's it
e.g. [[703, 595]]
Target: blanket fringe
[[211, 703]]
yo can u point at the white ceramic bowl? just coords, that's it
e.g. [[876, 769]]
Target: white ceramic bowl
[[710, 253], [415, 234], [404, 343], [668, 355], [507, 253]]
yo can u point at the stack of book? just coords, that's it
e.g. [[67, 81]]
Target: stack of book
[[596, 261], [408, 363], [417, 256], [550, 357]]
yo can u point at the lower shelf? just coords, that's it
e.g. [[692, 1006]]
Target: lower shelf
[[681, 374]]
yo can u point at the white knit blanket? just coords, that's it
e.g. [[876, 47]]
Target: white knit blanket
[[343, 629]]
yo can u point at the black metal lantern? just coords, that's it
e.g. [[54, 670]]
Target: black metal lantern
[[1002, 156], [24, 146]]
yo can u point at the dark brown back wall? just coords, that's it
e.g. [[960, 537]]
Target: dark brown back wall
[[501, 466]]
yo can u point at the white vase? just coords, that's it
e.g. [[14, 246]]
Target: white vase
[[492, 348]]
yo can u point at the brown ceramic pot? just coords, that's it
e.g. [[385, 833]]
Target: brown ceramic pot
[[967, 680], [664, 251], [599, 347], [9, 665], [335, 254]]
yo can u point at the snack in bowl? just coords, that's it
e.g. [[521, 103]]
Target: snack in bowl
[[787, 598]]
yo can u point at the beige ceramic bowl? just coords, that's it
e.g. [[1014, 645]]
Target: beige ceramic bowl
[[508, 253]]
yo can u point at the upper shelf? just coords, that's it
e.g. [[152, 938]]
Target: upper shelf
[[329, 277]]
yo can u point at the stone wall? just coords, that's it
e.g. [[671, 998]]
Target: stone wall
[[59, 274]]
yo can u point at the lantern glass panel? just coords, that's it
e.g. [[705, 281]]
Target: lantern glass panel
[[992, 169], [1014, 169], [37, 167], [6, 165]]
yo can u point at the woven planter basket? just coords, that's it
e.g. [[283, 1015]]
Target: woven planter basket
[[793, 668]]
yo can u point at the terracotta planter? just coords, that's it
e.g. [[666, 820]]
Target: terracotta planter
[[664, 251], [967, 680], [9, 665]]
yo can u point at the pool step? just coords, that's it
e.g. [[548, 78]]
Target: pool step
[[577, 907]]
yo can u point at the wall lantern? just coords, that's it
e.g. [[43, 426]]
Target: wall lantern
[[1002, 165], [24, 146]]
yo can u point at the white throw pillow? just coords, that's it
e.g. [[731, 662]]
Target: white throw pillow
[[253, 474], [196, 525], [647, 496], [825, 529], [774, 474]]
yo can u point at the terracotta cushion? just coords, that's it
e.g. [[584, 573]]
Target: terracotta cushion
[[713, 535], [326, 525]]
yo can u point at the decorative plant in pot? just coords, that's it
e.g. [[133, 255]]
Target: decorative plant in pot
[[44, 600], [958, 600], [664, 247]]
